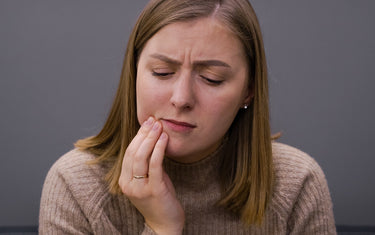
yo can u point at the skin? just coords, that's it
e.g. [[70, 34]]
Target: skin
[[191, 82]]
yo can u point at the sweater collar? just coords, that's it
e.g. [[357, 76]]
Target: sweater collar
[[201, 173]]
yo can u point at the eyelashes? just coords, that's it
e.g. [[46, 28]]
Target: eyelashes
[[164, 75], [156, 74], [211, 81]]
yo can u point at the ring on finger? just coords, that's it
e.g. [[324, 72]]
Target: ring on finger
[[140, 176]]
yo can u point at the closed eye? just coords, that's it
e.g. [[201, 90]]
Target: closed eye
[[161, 74], [212, 81]]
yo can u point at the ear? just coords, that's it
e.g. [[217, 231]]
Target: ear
[[249, 95]]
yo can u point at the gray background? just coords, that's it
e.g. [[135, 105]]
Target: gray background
[[60, 63]]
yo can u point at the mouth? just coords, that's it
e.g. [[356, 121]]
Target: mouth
[[177, 126]]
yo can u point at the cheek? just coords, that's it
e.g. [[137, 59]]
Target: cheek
[[142, 98], [222, 111], [149, 99], [141, 108], [225, 106]]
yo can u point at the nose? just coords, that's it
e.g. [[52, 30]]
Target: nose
[[183, 97]]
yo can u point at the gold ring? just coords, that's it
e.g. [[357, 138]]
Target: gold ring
[[140, 176]]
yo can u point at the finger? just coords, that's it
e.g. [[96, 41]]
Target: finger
[[140, 136], [141, 158], [156, 160], [127, 163]]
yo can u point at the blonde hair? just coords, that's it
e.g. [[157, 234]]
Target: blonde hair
[[248, 175]]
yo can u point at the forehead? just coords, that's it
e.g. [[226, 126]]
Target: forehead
[[202, 37]]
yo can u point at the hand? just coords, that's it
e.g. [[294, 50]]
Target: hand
[[154, 196]]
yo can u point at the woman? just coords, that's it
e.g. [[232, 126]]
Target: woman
[[186, 147]]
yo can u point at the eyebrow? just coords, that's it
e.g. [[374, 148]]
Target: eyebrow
[[204, 63]]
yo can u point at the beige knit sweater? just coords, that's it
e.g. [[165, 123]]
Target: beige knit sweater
[[75, 199]]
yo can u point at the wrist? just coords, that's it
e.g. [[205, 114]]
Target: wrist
[[165, 230]]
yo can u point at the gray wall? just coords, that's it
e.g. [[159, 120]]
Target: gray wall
[[60, 63]]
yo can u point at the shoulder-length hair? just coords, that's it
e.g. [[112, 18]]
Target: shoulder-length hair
[[248, 175]]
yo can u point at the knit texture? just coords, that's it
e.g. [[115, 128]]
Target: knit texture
[[75, 198]]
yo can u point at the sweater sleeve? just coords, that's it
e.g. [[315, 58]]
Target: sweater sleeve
[[75, 200], [312, 212], [59, 211]]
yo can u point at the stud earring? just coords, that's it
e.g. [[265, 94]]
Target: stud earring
[[245, 106]]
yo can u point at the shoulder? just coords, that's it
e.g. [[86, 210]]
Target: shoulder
[[296, 173], [75, 169], [75, 162], [288, 160], [73, 173]]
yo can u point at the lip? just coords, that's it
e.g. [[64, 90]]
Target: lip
[[178, 126]]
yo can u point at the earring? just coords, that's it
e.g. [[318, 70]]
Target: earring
[[245, 106]]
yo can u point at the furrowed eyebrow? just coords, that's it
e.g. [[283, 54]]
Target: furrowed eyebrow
[[166, 59], [209, 63], [200, 63]]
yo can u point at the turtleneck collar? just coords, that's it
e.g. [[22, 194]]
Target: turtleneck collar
[[197, 174]]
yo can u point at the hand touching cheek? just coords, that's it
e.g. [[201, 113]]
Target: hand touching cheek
[[146, 184]]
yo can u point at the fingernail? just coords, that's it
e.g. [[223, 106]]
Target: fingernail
[[163, 136], [148, 121], [156, 126]]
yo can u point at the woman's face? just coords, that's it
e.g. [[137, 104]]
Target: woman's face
[[192, 77]]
